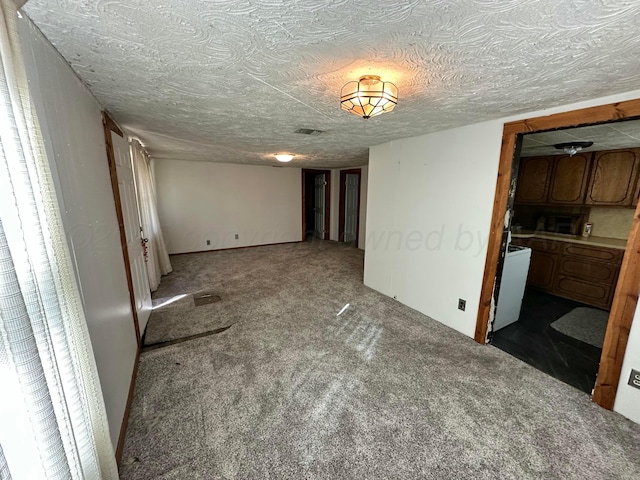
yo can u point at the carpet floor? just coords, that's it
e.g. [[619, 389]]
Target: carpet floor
[[292, 390]]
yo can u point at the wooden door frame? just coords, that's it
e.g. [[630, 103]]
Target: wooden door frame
[[627, 289], [341, 206], [327, 201], [111, 126]]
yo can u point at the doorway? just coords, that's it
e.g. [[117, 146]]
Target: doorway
[[316, 204], [556, 318], [349, 216], [624, 300], [126, 203]]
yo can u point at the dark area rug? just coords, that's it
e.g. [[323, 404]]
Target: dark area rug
[[585, 324]]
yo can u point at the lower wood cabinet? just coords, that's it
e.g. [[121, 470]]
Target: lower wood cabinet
[[584, 273], [542, 270], [596, 294]]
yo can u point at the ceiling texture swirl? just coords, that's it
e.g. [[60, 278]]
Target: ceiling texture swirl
[[232, 80]]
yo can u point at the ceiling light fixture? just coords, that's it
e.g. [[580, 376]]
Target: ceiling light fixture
[[284, 157], [369, 96], [571, 148]]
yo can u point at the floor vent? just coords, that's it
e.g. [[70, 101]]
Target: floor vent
[[205, 299]]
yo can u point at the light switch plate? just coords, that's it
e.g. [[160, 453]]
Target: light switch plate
[[634, 379]]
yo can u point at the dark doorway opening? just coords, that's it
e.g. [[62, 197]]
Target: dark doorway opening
[[316, 204], [349, 217]]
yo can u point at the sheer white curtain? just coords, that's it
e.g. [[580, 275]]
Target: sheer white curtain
[[52, 417], [158, 263]]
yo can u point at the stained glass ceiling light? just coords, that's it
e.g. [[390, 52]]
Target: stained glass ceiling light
[[369, 96]]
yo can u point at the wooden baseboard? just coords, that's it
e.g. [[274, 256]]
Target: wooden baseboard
[[127, 410], [237, 248]]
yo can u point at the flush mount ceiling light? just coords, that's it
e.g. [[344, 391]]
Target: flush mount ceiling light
[[571, 148], [284, 157], [369, 96]]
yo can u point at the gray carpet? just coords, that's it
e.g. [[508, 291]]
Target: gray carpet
[[293, 391], [585, 324]]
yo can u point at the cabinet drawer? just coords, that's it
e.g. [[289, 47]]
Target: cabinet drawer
[[521, 242], [596, 272], [598, 295], [544, 245], [594, 253]]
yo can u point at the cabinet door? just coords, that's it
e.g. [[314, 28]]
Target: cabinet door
[[595, 272], [542, 270], [533, 179], [613, 178], [569, 180], [596, 294]]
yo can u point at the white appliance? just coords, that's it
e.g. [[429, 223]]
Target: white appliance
[[514, 280]]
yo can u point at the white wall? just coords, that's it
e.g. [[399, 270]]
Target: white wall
[[72, 128], [628, 398], [442, 185], [200, 201], [335, 204], [430, 205]]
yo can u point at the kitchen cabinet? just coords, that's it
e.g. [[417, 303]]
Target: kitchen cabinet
[[613, 178], [534, 175], [558, 180], [568, 183], [584, 273], [588, 274], [542, 270], [544, 261]]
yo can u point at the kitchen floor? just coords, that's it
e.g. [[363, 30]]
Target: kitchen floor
[[534, 341]]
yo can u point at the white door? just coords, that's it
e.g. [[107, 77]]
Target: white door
[[319, 205], [352, 186], [131, 218]]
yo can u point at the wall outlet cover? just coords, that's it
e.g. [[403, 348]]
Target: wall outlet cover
[[634, 378], [462, 304], [208, 242], [237, 236]]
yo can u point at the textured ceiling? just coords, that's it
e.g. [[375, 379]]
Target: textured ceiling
[[608, 136], [230, 81]]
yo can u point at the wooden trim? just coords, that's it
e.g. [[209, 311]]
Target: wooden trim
[[110, 126], [127, 410], [341, 211], [626, 295], [236, 248], [327, 202], [623, 308], [495, 236], [575, 118]]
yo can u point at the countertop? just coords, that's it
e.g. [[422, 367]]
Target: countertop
[[594, 241]]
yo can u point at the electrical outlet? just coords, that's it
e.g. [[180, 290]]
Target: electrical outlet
[[634, 379], [208, 242], [237, 236], [462, 304]]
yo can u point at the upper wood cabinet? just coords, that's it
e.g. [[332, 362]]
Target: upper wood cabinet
[[534, 175], [569, 179], [613, 178], [559, 180]]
